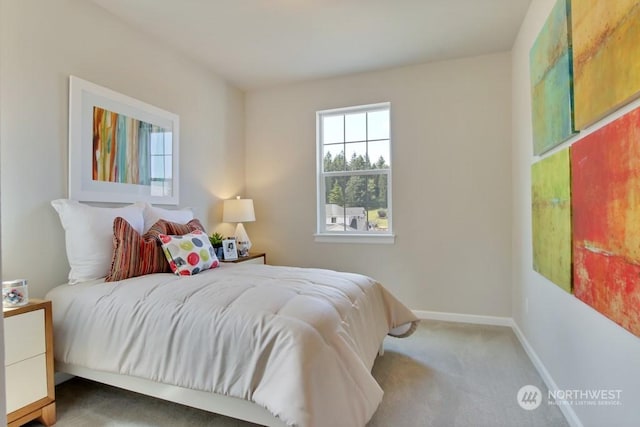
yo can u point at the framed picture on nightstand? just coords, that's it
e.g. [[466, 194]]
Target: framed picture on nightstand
[[230, 249]]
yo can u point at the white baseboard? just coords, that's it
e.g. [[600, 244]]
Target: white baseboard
[[567, 410], [463, 318]]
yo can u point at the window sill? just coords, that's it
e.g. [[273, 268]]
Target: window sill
[[385, 239]]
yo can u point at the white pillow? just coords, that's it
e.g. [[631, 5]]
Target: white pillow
[[89, 236], [152, 214]]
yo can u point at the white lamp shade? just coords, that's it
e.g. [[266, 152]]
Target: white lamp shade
[[238, 210]]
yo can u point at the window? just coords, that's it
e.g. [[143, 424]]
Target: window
[[354, 174], [161, 143]]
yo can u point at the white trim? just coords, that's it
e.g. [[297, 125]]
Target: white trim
[[385, 239], [364, 172], [567, 410], [356, 109], [464, 318], [321, 234], [212, 402]]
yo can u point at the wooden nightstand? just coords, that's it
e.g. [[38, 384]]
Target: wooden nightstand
[[28, 346], [256, 258]]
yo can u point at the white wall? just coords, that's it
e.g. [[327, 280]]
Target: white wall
[[451, 180], [43, 42], [580, 348]]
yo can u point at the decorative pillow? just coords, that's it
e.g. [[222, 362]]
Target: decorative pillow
[[152, 214], [89, 236], [174, 228], [136, 255], [189, 254]]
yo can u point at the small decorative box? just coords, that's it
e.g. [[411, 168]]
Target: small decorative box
[[15, 293]]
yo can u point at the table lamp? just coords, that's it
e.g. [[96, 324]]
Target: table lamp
[[239, 210]]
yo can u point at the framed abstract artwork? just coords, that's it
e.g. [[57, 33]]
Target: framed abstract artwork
[[120, 149], [606, 57], [551, 218], [606, 220], [551, 81]]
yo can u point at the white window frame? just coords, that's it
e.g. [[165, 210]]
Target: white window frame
[[346, 236]]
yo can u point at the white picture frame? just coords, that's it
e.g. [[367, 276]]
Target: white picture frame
[[230, 249], [121, 150]]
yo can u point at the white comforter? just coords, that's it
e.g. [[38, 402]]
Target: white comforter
[[299, 342]]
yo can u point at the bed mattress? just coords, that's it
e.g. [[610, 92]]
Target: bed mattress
[[299, 342]]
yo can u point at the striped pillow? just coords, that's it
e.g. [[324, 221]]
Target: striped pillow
[[136, 255]]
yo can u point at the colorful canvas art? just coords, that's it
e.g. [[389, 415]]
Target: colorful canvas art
[[121, 148], [551, 218], [551, 82], [606, 220], [606, 57]]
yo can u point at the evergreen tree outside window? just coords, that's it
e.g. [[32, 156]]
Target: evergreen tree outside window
[[354, 173]]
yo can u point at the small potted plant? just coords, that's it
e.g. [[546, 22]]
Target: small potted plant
[[216, 241]]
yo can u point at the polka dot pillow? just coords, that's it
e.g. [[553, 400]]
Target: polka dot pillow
[[189, 254]]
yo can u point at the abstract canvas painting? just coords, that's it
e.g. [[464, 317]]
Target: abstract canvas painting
[[551, 218], [606, 57], [551, 81], [121, 148], [606, 220]]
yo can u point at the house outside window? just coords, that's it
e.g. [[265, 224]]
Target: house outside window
[[354, 174]]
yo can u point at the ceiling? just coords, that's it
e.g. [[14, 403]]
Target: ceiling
[[260, 43]]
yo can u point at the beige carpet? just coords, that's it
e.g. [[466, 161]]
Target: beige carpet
[[444, 375]]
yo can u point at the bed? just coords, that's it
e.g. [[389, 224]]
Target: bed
[[271, 345]]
